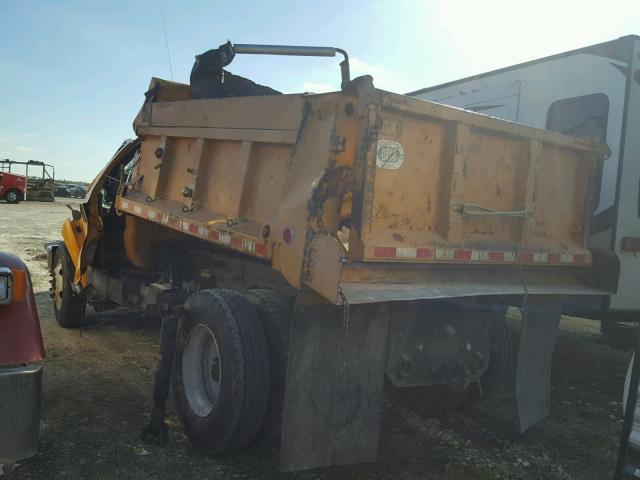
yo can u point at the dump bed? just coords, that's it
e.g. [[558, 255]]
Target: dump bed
[[361, 186]]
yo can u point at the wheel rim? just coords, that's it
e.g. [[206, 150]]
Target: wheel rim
[[201, 370], [58, 284], [12, 196]]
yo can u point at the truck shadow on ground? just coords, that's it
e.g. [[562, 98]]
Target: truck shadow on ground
[[97, 394]]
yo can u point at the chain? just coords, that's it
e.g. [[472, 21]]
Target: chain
[[372, 133], [523, 305], [345, 331]]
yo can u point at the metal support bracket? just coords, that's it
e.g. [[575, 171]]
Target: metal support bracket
[[540, 321], [156, 431]]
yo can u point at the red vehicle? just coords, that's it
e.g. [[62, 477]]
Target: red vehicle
[[12, 186], [20, 379]]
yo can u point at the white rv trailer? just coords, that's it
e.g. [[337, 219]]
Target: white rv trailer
[[594, 92]]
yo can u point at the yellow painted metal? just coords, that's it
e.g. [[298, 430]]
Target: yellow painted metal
[[309, 182], [459, 179], [74, 235]]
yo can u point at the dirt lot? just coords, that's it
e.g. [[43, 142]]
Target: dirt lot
[[97, 390]]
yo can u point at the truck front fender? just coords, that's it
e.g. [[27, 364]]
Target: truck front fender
[[20, 335]]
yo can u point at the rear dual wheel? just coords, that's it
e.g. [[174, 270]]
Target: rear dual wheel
[[275, 311], [222, 371], [230, 368]]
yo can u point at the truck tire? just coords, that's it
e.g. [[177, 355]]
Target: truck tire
[[13, 196], [221, 371], [276, 312], [68, 306]]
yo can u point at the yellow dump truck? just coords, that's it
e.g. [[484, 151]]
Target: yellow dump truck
[[307, 252]]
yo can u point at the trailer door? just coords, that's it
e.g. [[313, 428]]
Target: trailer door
[[627, 233]]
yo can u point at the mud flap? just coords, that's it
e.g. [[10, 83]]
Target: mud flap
[[540, 320], [333, 396]]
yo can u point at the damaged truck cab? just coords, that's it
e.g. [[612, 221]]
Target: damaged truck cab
[[307, 252]]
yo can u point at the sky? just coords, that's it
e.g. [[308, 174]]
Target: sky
[[73, 73]]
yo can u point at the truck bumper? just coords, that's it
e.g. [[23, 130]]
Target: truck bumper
[[20, 393]]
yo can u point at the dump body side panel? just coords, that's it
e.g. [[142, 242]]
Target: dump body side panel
[[458, 188]]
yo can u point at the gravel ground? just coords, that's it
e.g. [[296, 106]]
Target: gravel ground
[[97, 392]]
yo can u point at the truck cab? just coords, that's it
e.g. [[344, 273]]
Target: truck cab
[[12, 187]]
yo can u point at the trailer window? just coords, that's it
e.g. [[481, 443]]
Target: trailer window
[[586, 117]]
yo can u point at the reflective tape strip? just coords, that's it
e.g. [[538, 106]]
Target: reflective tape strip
[[580, 258], [225, 238], [384, 252], [484, 256], [426, 253], [198, 229], [462, 254], [248, 246], [526, 257], [407, 252], [262, 249], [495, 256]]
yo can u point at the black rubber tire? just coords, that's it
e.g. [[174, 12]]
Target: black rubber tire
[[237, 417], [276, 312], [72, 307], [13, 196]]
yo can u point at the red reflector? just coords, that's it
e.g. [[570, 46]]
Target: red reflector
[[630, 244], [287, 235]]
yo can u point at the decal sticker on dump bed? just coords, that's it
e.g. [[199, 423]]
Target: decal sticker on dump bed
[[390, 155]]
